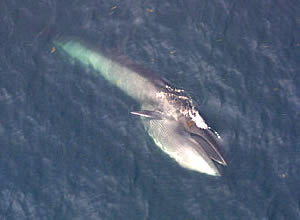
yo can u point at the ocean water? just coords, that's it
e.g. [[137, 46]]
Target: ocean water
[[69, 148]]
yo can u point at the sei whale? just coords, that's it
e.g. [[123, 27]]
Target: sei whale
[[167, 113]]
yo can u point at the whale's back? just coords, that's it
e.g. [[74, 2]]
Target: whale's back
[[134, 84]]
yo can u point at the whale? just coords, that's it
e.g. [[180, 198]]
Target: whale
[[167, 113]]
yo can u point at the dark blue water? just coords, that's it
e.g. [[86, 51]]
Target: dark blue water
[[69, 149]]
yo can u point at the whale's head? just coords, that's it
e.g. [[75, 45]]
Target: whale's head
[[194, 131], [191, 146], [178, 129]]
